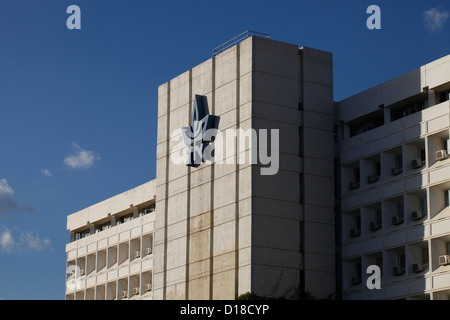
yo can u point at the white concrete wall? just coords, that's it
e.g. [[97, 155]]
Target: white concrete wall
[[428, 128], [225, 229], [113, 205]]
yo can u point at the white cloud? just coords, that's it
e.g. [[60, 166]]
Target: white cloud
[[24, 241], [31, 240], [7, 203], [6, 241], [46, 173], [434, 19], [81, 158]]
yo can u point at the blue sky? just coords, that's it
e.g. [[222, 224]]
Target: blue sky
[[78, 108]]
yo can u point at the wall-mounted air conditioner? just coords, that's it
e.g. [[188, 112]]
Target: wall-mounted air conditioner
[[374, 226], [416, 163], [416, 215], [137, 254], [147, 251], [397, 219], [135, 291], [148, 287], [124, 294], [396, 171], [397, 271], [372, 178], [416, 268], [441, 155], [444, 260]]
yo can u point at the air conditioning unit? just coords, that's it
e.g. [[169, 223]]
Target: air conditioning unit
[[124, 294], [354, 232], [396, 171], [148, 287], [416, 215], [147, 251], [82, 272], [444, 260], [416, 268], [135, 291], [397, 271], [397, 219], [137, 254], [373, 178], [354, 185], [374, 226], [441, 155], [416, 163]]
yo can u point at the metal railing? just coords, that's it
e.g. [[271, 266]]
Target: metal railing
[[238, 39]]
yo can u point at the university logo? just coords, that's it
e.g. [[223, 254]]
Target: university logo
[[201, 133]]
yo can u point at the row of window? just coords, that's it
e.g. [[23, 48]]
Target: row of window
[[375, 171], [397, 217], [393, 263], [394, 161], [115, 220], [112, 256], [125, 288], [397, 111]]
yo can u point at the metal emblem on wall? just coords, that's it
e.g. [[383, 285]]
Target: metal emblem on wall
[[201, 133]]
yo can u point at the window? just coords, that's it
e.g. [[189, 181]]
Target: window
[[379, 263], [147, 210], [377, 168], [423, 204], [358, 270], [83, 234], [445, 144], [401, 260], [425, 255], [378, 217], [446, 198], [357, 222], [399, 206], [404, 110], [366, 123], [421, 153], [356, 175], [443, 96], [103, 226], [399, 160], [125, 218]]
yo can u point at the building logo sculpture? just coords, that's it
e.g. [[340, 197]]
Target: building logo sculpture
[[201, 133]]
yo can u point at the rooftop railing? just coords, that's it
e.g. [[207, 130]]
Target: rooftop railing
[[238, 39]]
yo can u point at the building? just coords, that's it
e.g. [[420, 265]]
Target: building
[[223, 229], [110, 255], [303, 195], [392, 142]]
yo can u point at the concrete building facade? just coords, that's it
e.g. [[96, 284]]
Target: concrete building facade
[[110, 255], [394, 182], [224, 229], [359, 182]]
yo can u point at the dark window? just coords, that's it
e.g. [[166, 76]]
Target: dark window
[[366, 123], [425, 255]]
